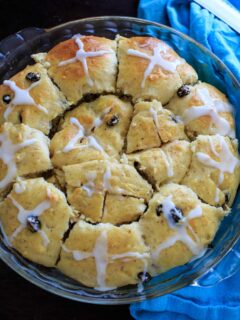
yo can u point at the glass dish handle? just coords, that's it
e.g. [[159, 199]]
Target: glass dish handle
[[13, 41], [223, 270]]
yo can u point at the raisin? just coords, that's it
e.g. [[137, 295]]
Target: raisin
[[136, 165], [6, 98], [33, 77], [183, 91], [113, 121], [227, 197], [144, 277], [33, 223], [174, 119], [176, 214], [159, 209]]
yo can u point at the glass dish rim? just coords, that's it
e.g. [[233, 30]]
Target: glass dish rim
[[184, 282]]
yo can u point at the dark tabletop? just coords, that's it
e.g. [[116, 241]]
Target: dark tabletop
[[20, 299]]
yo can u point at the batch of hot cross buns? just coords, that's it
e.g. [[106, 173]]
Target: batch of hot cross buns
[[116, 162]]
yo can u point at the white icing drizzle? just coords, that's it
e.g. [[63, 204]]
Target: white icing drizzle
[[195, 213], [142, 207], [211, 107], [80, 134], [92, 142], [180, 228], [21, 97], [19, 186], [100, 253], [23, 214], [73, 143], [130, 254], [106, 178], [216, 198], [158, 58], [103, 258], [99, 120], [7, 155], [227, 161], [155, 117], [168, 161], [90, 186], [82, 55], [140, 286], [44, 237], [214, 151], [212, 147]]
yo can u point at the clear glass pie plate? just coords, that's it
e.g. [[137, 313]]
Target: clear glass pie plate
[[15, 54]]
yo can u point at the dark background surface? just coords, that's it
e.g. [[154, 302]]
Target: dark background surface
[[19, 14], [20, 299]]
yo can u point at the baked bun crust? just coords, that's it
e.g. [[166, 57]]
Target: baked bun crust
[[177, 226], [89, 183], [169, 163], [83, 65], [214, 171], [23, 151], [108, 257], [35, 216], [161, 79], [33, 102], [106, 120], [205, 110], [152, 126]]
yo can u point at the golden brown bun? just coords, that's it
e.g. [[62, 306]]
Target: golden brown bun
[[202, 124], [104, 256], [71, 78], [44, 93], [161, 84], [163, 234], [44, 245], [151, 126], [26, 152], [120, 209], [205, 179], [110, 136], [87, 184], [169, 163]]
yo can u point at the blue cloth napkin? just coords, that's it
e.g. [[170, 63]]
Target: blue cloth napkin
[[221, 301], [191, 19]]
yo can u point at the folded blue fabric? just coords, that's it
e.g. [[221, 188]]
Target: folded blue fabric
[[221, 301], [191, 19]]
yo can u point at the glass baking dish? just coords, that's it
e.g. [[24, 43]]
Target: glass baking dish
[[15, 54]]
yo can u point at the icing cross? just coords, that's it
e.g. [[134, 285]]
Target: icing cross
[[90, 187], [23, 214], [159, 53], [227, 161], [180, 228], [168, 161], [21, 97], [102, 258], [82, 55], [211, 107], [92, 141], [7, 154], [155, 117]]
